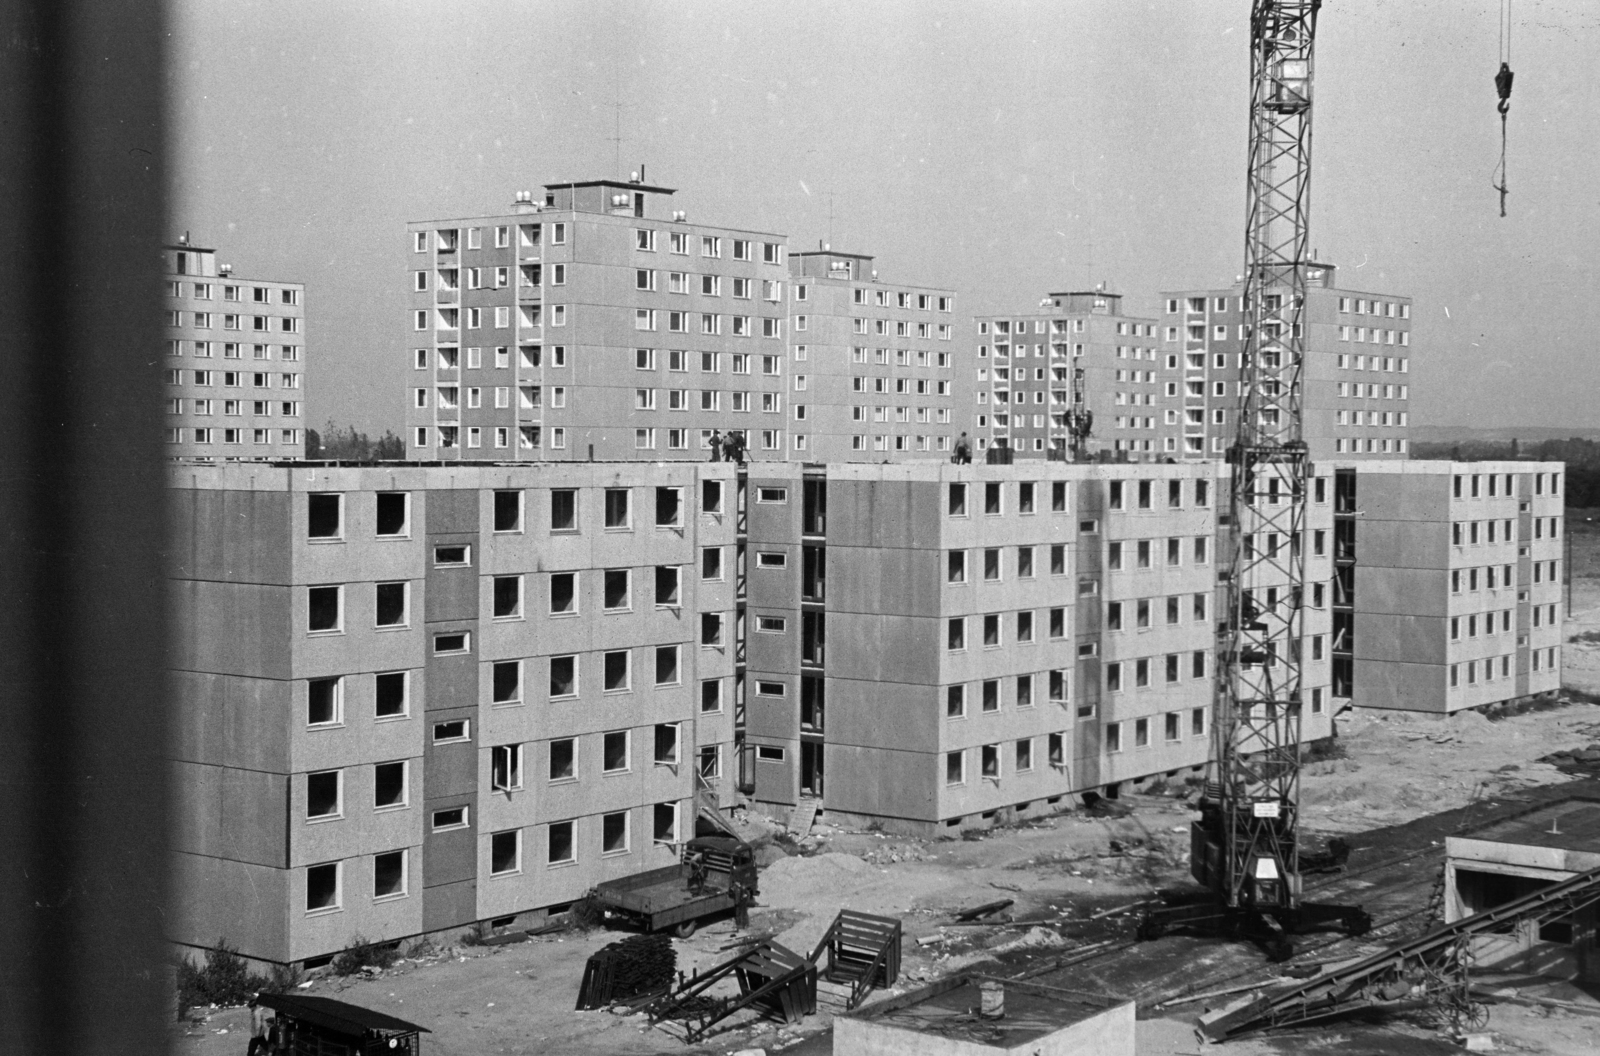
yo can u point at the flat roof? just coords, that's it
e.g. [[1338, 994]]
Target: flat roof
[[948, 1007], [624, 184], [1567, 825], [335, 1015]]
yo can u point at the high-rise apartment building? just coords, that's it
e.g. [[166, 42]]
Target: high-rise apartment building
[[874, 363], [1022, 382], [412, 698], [599, 323], [235, 360], [1356, 376]]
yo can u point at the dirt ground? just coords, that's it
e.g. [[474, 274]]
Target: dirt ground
[[1061, 872]]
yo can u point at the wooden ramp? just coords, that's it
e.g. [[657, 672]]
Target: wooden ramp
[[802, 817], [863, 952]]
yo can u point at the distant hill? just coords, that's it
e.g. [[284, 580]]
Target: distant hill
[[1453, 434]]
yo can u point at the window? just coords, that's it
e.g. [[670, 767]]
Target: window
[[563, 510], [563, 759], [957, 566], [617, 508], [771, 624], [324, 702], [562, 847], [507, 597], [669, 507], [389, 604], [667, 583], [324, 610], [388, 875], [668, 672], [955, 770], [614, 833], [505, 853], [505, 767], [563, 676], [667, 744], [990, 761], [323, 888], [563, 593], [452, 554], [506, 682], [616, 671], [451, 730], [991, 631], [324, 795], [325, 515], [392, 695], [956, 633]]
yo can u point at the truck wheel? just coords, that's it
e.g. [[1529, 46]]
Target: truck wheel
[[686, 929]]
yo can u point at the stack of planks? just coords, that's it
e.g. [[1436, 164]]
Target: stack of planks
[[633, 967]]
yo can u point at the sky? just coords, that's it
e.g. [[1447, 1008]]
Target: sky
[[1002, 149]]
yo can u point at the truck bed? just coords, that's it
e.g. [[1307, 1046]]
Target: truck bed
[[659, 890]]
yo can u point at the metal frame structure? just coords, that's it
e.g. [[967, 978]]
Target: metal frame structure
[[1245, 846], [1257, 731], [1430, 971]]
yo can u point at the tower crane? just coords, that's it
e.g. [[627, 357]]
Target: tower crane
[[1245, 847]]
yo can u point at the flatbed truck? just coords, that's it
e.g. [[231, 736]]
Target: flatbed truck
[[714, 874]]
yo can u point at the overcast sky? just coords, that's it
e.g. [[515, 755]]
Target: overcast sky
[[1000, 148]]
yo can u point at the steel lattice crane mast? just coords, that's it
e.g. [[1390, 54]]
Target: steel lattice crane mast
[[1245, 847]]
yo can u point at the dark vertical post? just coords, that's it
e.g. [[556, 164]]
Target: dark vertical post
[[82, 638]]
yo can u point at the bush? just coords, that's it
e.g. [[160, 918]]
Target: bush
[[1323, 750], [363, 954], [225, 980], [586, 914]]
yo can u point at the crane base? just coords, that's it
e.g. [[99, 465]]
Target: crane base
[[1272, 929]]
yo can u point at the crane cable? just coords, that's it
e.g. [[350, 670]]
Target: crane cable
[[1502, 85]]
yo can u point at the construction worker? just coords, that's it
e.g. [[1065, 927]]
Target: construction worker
[[716, 445], [963, 455]]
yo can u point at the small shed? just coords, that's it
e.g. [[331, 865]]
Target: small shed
[[971, 1014], [309, 1025], [1517, 857]]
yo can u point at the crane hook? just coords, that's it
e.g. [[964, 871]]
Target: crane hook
[[1502, 86]]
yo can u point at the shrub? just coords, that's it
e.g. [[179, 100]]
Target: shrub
[[225, 979], [363, 954]]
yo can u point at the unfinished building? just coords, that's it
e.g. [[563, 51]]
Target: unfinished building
[[416, 697]]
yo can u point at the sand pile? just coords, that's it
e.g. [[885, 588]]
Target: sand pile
[[798, 880]]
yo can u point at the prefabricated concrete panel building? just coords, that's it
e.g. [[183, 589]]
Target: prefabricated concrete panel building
[[418, 697]]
